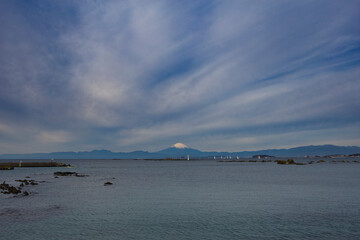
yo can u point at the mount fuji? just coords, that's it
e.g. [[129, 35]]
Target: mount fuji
[[180, 150]]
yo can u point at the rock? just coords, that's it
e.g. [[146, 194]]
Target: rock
[[32, 182], [25, 193], [108, 183], [23, 181], [27, 182], [64, 173], [69, 174], [8, 189]]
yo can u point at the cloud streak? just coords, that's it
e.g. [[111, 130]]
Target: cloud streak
[[217, 75]]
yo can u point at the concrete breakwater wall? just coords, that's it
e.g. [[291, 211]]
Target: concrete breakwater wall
[[32, 164]]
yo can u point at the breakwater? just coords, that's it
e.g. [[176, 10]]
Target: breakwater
[[11, 165]]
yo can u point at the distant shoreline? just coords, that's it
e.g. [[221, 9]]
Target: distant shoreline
[[323, 151]]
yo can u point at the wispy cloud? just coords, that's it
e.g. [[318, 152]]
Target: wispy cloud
[[127, 75]]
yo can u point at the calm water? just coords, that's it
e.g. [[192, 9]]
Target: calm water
[[185, 200]]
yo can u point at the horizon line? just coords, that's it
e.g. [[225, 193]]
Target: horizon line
[[267, 149]]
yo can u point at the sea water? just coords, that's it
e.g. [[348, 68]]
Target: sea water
[[185, 200]]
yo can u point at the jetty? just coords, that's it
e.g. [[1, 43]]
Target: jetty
[[6, 168], [12, 165]]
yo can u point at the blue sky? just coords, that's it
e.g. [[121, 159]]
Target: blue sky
[[215, 75]]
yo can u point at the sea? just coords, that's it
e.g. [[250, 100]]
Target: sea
[[196, 199]]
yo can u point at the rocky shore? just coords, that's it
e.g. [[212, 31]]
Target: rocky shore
[[9, 189]]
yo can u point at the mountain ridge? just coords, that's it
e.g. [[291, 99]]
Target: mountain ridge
[[174, 152]]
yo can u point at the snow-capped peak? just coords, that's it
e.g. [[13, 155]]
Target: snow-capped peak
[[180, 145]]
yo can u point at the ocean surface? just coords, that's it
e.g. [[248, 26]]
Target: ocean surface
[[185, 200]]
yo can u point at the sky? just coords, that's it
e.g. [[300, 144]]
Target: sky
[[216, 75]]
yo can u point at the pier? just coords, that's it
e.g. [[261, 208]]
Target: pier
[[12, 165]]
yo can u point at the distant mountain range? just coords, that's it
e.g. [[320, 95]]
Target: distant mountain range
[[182, 152]]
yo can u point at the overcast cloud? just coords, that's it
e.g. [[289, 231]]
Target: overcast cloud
[[215, 75]]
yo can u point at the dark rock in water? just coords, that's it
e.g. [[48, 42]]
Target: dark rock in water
[[64, 173], [108, 183], [27, 182], [32, 182], [69, 174], [8, 189]]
